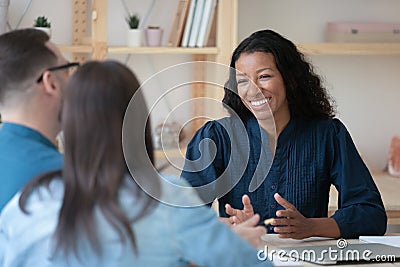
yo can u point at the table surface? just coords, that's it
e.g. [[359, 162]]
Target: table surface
[[273, 242]]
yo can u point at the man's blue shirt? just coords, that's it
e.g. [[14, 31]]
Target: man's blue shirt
[[24, 154]]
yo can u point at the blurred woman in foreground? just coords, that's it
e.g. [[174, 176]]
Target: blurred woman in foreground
[[92, 213]]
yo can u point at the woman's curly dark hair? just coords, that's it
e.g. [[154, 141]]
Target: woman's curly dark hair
[[306, 96]]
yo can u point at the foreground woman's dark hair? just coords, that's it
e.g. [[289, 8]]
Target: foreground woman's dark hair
[[94, 168]]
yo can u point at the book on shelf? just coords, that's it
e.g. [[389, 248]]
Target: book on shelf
[[206, 22], [198, 15], [211, 37], [178, 24], [188, 23]]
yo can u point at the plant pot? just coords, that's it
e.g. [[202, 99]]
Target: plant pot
[[134, 37], [45, 29], [154, 37]]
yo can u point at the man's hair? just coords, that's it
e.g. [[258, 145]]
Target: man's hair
[[23, 56]]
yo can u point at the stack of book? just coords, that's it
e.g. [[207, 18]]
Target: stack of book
[[193, 23]]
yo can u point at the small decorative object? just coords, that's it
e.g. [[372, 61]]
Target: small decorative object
[[134, 34], [42, 23], [154, 36], [394, 157]]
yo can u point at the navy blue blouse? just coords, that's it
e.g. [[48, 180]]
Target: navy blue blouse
[[309, 157]]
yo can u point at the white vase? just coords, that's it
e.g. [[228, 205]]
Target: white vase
[[46, 30], [134, 37]]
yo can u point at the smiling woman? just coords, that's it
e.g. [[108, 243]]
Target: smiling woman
[[260, 85], [314, 150]]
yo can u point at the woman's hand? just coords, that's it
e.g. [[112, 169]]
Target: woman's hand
[[238, 216], [290, 222], [249, 230], [295, 225]]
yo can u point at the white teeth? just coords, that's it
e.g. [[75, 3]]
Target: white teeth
[[258, 103]]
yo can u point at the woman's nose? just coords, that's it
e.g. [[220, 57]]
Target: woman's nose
[[253, 89]]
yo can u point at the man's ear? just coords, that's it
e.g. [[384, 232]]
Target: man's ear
[[50, 83]]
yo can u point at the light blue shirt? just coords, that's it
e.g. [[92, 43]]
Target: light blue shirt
[[168, 236], [24, 154]]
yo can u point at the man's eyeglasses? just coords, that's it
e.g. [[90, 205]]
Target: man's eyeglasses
[[65, 66]]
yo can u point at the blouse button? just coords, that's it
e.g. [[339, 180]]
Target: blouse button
[[272, 206], [273, 187]]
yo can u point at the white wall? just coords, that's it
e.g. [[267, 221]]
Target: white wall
[[58, 12], [366, 88]]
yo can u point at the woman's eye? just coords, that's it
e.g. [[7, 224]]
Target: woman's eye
[[242, 81], [265, 76]]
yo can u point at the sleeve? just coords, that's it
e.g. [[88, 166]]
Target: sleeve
[[205, 155], [7, 220], [205, 241], [360, 207], [3, 241]]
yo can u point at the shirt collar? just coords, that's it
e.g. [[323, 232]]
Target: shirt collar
[[24, 131]]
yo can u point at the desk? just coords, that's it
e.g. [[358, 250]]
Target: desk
[[274, 243], [388, 186]]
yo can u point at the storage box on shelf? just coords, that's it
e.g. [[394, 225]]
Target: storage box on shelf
[[350, 48], [363, 32]]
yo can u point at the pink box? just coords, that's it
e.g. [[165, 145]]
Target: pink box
[[362, 32]]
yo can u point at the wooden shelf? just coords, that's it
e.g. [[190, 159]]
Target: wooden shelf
[[76, 48], [350, 48], [162, 50], [306, 48]]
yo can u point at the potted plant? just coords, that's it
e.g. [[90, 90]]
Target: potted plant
[[42, 23], [134, 34], [154, 35]]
